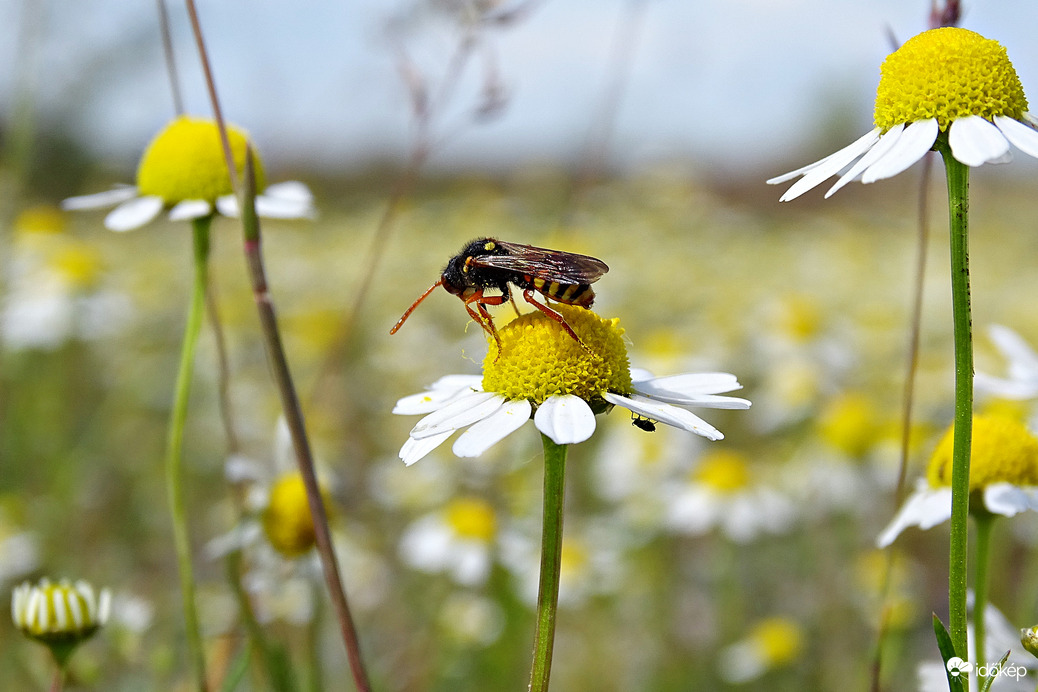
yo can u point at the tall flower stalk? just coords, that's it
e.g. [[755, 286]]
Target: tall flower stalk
[[954, 91], [958, 215], [551, 562], [175, 447]]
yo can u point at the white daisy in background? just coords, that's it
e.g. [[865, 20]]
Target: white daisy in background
[[540, 371], [591, 563], [1022, 379], [769, 644], [1003, 474], [721, 493], [184, 170], [944, 83], [281, 569], [458, 539], [54, 289]]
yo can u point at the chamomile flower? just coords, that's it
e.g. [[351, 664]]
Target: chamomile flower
[[60, 615], [184, 170], [540, 371], [771, 643], [457, 539], [1003, 477], [721, 492], [944, 83], [1022, 379]]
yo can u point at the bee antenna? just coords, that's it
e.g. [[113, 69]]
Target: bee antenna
[[407, 313]]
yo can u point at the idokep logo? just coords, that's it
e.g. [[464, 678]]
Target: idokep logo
[[957, 667]]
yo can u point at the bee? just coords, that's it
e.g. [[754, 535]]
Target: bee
[[489, 264], [646, 424]]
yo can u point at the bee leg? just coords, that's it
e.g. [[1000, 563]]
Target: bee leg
[[528, 295], [481, 316]]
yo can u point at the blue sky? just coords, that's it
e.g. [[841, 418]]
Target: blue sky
[[740, 87]]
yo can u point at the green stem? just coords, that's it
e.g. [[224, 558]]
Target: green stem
[[551, 563], [984, 521], [958, 211], [175, 448]]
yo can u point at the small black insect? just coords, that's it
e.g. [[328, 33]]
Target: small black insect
[[495, 264], [646, 424]]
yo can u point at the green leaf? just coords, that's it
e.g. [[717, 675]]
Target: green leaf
[[944, 643], [985, 684]]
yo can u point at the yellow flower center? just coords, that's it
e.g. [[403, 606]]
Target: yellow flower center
[[1004, 451], [575, 559], [472, 518], [779, 640], [41, 219], [287, 521], [849, 424], [79, 264], [186, 162], [724, 471], [947, 74], [538, 358]]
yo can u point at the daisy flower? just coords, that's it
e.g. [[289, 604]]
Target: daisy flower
[[944, 83], [184, 170], [1003, 477], [1022, 380], [540, 371], [457, 539], [60, 615], [771, 643], [721, 492]]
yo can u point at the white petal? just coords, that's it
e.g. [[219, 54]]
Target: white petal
[[1023, 137], [1008, 499], [413, 449], [1023, 361], [694, 390], [831, 165], [692, 383], [463, 411], [665, 413], [290, 190], [228, 206], [640, 375], [99, 200], [566, 419], [133, 214], [974, 141], [925, 508], [190, 209], [278, 208], [912, 145], [290, 205], [439, 393], [885, 143], [484, 434]]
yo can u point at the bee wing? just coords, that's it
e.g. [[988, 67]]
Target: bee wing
[[550, 265]]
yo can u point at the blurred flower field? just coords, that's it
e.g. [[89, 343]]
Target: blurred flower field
[[746, 563]]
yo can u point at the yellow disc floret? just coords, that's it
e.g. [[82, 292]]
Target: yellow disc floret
[[1004, 451], [947, 74], [287, 521], [538, 358], [472, 518], [723, 471], [186, 162]]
